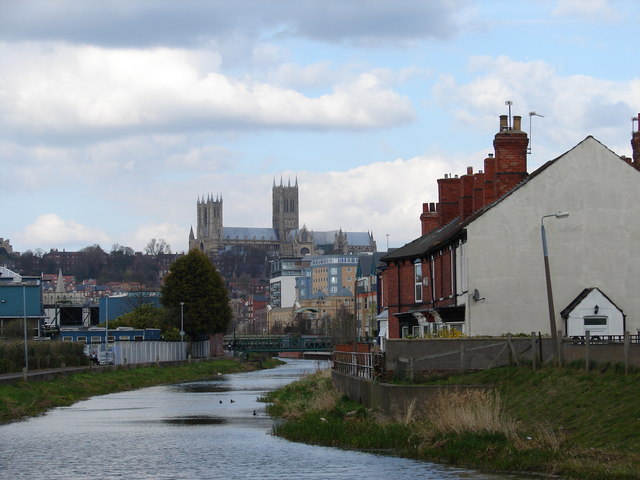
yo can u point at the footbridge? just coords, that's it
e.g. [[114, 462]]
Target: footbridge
[[278, 344]]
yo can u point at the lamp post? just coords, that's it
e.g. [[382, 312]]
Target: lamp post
[[26, 348], [182, 321], [552, 315], [106, 330]]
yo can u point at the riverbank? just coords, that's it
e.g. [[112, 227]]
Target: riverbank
[[556, 421], [26, 399]]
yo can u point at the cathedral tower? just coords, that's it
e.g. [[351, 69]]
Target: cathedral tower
[[285, 208], [209, 227]]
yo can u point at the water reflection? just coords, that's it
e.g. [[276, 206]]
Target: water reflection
[[199, 430], [194, 420]]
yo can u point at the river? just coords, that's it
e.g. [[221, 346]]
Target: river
[[190, 431]]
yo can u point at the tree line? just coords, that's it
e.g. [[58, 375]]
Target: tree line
[[120, 264]]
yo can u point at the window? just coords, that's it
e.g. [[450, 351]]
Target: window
[[595, 321], [418, 280], [405, 332], [67, 339], [96, 339], [82, 338]]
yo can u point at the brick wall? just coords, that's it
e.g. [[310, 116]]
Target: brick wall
[[429, 219], [448, 198]]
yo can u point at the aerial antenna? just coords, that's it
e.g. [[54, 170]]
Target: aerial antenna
[[509, 103], [532, 114]]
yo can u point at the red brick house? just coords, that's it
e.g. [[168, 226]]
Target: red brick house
[[482, 239]]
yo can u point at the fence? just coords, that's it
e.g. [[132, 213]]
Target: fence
[[364, 365], [129, 353]]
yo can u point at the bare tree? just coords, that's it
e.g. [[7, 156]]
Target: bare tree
[[156, 248]]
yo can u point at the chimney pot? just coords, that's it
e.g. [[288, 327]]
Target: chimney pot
[[469, 170], [517, 122], [504, 122]]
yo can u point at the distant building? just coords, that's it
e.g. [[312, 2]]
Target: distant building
[[285, 238], [366, 294], [6, 245], [20, 300]]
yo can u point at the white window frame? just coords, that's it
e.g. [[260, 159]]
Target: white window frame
[[417, 275]]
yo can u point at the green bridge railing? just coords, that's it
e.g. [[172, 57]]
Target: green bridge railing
[[273, 343]]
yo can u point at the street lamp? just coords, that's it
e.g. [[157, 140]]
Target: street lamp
[[182, 321], [106, 330], [552, 315], [24, 312]]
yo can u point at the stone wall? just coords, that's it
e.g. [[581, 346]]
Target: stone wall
[[389, 398]]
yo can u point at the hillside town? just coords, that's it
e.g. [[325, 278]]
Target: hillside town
[[478, 268]]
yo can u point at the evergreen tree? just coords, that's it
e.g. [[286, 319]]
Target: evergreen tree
[[194, 280]]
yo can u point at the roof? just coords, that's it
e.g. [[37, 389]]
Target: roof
[[249, 233], [427, 242], [358, 238], [367, 264], [581, 296], [433, 240], [353, 238]]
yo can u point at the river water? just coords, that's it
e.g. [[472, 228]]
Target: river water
[[190, 431]]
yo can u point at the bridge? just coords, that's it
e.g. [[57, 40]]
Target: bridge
[[244, 344]]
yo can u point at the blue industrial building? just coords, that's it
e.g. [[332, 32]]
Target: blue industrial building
[[95, 335], [20, 300]]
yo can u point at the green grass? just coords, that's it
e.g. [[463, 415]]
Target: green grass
[[561, 421], [24, 399], [315, 413]]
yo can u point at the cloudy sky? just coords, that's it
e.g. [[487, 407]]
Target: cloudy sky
[[116, 115]]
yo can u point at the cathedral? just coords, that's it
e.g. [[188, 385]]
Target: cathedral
[[285, 238]]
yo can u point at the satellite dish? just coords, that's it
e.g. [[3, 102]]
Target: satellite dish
[[476, 296]]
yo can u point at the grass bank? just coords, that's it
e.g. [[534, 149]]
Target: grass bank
[[25, 399], [556, 421]]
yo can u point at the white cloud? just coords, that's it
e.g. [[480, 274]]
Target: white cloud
[[592, 10], [52, 230], [206, 158], [64, 90], [573, 106]]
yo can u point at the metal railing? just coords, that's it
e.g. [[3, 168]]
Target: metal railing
[[369, 366], [602, 339], [281, 344]]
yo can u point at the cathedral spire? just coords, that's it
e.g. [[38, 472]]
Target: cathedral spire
[[60, 284]]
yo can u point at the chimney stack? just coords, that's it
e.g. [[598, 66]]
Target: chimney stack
[[489, 179], [448, 198], [511, 156], [465, 203], [430, 218]]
